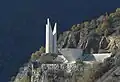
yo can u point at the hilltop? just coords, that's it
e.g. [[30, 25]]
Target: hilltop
[[99, 35]]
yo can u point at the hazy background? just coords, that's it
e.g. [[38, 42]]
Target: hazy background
[[22, 25]]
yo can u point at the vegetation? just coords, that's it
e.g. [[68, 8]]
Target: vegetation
[[42, 49], [80, 62], [37, 54], [34, 56], [91, 73], [75, 27], [25, 79], [86, 24], [102, 26]]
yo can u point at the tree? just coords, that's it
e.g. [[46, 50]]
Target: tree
[[76, 27], [42, 49], [34, 56], [118, 10], [86, 24], [37, 54]]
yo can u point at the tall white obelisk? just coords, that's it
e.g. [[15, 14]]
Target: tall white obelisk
[[55, 38], [51, 38], [47, 39]]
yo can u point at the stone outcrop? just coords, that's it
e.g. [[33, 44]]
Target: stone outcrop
[[49, 73], [50, 58], [91, 36], [112, 73]]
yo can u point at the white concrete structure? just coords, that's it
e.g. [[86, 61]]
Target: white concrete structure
[[101, 57], [71, 54], [51, 38], [55, 38]]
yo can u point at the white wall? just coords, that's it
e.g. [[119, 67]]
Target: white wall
[[101, 57], [71, 54]]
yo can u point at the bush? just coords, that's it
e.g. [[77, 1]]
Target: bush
[[25, 79], [116, 14], [75, 28], [94, 72], [42, 49], [103, 28], [99, 30], [118, 10], [35, 56], [86, 24]]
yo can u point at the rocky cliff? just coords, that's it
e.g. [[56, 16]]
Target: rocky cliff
[[93, 35], [96, 36]]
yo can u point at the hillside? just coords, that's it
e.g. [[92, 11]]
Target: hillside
[[94, 36]]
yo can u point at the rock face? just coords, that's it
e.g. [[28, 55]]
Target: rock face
[[47, 57], [49, 73], [79, 39], [91, 36], [113, 69], [85, 38]]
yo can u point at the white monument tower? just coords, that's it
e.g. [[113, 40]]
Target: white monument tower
[[55, 38], [51, 38]]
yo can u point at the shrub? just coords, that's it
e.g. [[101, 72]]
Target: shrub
[[86, 24], [34, 56], [112, 15], [117, 13], [76, 28], [73, 27], [103, 27], [99, 30], [25, 79], [118, 10], [37, 54], [42, 49]]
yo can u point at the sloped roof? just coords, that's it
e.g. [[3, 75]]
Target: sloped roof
[[71, 54]]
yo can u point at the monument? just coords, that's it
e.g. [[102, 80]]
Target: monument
[[51, 45], [51, 38], [68, 54]]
